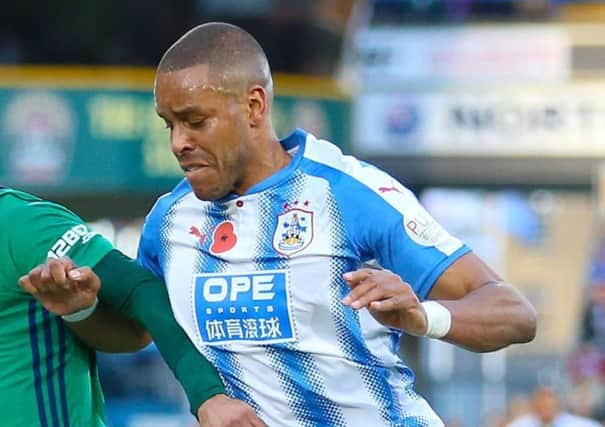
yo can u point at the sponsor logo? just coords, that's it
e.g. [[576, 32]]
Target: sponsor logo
[[194, 231], [392, 188], [422, 228], [253, 308], [67, 241]]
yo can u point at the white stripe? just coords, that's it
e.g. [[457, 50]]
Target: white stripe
[[402, 200]]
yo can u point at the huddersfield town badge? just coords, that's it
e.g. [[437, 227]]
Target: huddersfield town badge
[[294, 231]]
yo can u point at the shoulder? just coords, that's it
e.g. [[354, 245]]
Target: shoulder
[[326, 159], [24, 207], [155, 218], [14, 199], [353, 176], [327, 156], [167, 200]]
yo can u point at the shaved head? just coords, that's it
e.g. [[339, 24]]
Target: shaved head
[[234, 58], [213, 89]]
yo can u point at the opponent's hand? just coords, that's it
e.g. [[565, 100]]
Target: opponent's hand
[[222, 411], [388, 298], [61, 287]]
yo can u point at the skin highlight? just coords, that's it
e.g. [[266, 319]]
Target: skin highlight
[[222, 138]]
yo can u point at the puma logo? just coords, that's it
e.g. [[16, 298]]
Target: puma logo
[[387, 189], [197, 233]]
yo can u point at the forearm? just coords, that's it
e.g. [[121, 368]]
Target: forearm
[[108, 331], [490, 317], [194, 372], [138, 294]]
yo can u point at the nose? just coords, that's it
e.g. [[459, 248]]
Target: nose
[[180, 141]]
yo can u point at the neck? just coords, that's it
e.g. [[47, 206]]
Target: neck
[[267, 158]]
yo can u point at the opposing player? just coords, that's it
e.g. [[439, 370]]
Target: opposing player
[[260, 243], [48, 376]]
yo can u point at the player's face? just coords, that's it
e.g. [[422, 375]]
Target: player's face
[[208, 130]]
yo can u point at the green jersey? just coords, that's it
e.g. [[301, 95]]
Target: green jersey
[[48, 377]]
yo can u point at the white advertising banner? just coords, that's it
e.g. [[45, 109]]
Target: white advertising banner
[[556, 120], [391, 57]]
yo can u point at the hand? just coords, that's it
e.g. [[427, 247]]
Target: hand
[[61, 287], [389, 299], [222, 411]]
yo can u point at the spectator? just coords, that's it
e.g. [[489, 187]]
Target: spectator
[[546, 411]]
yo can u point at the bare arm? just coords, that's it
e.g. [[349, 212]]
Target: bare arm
[[487, 314]]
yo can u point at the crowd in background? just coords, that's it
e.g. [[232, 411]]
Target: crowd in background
[[310, 38]]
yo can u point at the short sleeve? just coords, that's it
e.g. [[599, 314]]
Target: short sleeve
[[147, 255], [384, 221], [41, 230], [412, 243], [149, 252]]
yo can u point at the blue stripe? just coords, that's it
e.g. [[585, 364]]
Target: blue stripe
[[349, 334], [62, 388], [304, 388], [299, 377], [413, 422], [225, 361], [166, 227], [351, 341], [227, 364], [50, 386], [160, 220], [33, 338]]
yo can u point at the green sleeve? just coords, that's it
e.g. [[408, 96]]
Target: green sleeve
[[37, 229], [138, 294]]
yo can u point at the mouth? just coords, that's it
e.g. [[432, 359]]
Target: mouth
[[193, 167]]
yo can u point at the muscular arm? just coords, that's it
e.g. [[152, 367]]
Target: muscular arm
[[487, 313], [425, 261]]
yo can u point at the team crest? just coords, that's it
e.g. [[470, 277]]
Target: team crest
[[294, 231]]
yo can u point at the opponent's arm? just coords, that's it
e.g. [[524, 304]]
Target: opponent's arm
[[486, 313], [41, 229], [138, 294], [134, 292], [105, 329], [109, 331]]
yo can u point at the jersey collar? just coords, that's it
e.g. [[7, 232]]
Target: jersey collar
[[294, 144]]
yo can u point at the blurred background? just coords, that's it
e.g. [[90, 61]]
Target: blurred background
[[492, 111]]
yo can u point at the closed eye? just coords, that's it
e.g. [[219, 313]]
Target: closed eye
[[196, 124]]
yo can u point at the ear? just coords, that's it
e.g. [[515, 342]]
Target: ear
[[258, 105]]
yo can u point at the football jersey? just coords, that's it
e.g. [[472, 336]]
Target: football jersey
[[48, 377], [256, 282]]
